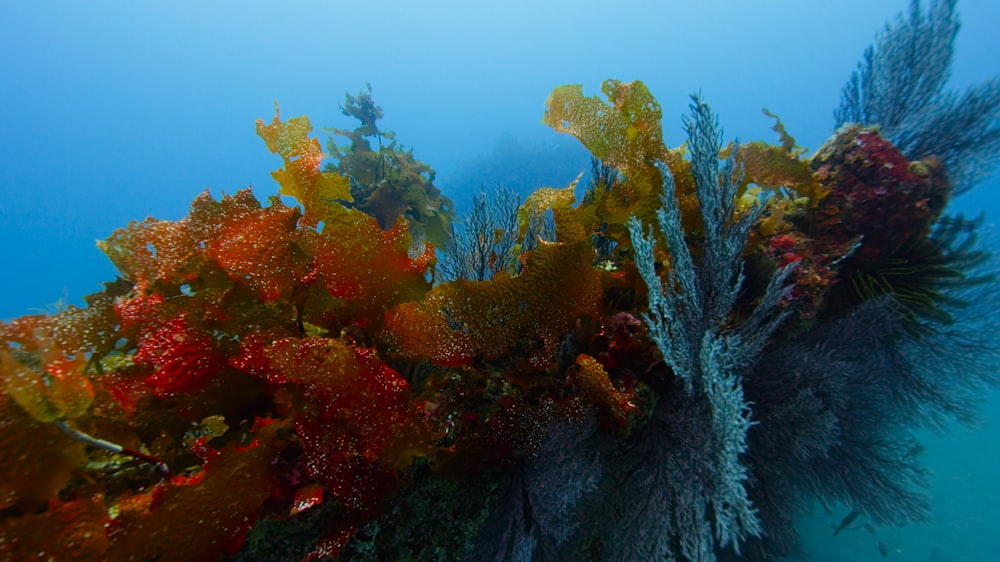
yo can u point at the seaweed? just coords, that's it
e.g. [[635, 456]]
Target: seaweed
[[387, 181]]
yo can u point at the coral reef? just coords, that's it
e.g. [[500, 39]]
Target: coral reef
[[711, 340], [900, 87]]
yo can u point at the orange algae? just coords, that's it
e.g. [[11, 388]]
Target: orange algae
[[161, 348], [235, 237], [79, 526], [774, 167], [301, 176], [259, 249], [627, 136], [53, 388], [388, 182], [201, 517], [573, 224], [37, 459], [462, 321], [624, 135], [364, 270], [596, 388]]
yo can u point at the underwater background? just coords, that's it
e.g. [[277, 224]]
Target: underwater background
[[114, 111]]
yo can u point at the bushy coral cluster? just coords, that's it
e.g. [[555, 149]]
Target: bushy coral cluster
[[260, 374], [874, 194]]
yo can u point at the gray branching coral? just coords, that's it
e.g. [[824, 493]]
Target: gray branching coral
[[899, 86], [484, 242], [688, 313], [836, 409], [488, 240]]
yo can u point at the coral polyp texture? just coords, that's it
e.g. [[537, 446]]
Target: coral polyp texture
[[675, 364]]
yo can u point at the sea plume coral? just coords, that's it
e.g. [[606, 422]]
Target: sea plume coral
[[836, 411], [485, 242], [701, 504]]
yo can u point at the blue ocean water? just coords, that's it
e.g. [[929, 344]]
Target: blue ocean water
[[117, 110]]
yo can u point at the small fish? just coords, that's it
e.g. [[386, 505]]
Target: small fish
[[883, 549], [848, 519]]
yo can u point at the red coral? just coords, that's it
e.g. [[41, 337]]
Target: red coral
[[306, 497], [174, 351], [875, 195], [180, 355]]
